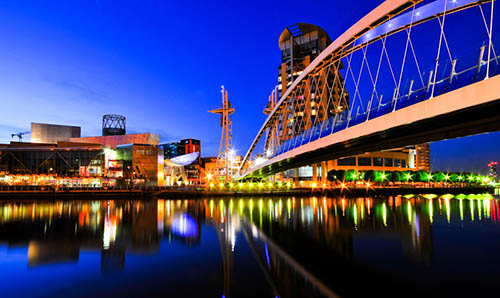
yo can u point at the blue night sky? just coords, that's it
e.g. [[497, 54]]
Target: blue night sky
[[161, 64]]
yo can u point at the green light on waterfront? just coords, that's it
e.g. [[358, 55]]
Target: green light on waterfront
[[409, 211], [431, 211], [461, 206], [447, 206], [355, 214], [384, 214], [471, 209], [211, 208], [289, 207]]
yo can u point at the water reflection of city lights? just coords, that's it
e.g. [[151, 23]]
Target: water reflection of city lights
[[184, 225]]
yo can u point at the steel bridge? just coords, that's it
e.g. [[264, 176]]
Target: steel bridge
[[409, 72]]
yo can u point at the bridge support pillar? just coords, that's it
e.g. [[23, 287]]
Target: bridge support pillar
[[324, 172], [315, 173]]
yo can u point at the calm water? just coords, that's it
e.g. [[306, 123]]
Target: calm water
[[288, 247]]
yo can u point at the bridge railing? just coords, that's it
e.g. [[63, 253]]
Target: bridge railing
[[341, 121]]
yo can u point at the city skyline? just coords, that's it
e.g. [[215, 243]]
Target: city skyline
[[161, 65]]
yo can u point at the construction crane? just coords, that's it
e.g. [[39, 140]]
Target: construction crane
[[19, 135]]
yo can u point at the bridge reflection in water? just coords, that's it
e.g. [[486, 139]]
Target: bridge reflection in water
[[303, 247]]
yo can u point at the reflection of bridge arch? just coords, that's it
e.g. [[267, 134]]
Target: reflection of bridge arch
[[387, 112]]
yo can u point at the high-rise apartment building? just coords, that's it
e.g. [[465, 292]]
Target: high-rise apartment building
[[300, 44], [423, 157]]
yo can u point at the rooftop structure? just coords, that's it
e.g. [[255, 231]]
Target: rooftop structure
[[113, 125], [52, 133]]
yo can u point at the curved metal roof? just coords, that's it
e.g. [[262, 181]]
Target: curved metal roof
[[301, 29]]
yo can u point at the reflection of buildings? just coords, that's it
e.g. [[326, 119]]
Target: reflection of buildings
[[57, 232], [113, 259], [322, 235], [181, 220], [46, 252]]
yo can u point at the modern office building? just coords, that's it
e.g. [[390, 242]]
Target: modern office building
[[173, 149], [53, 133], [66, 159], [139, 163], [192, 171], [191, 145], [492, 169], [51, 164]]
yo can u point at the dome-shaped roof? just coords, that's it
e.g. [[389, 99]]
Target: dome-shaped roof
[[301, 29]]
